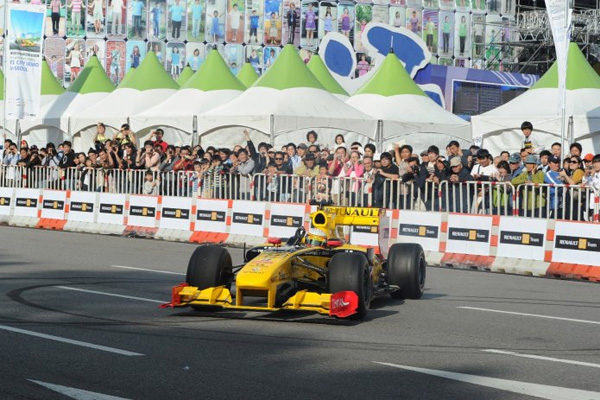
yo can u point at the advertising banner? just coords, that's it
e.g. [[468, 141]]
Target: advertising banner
[[576, 243], [53, 204], [469, 234], [248, 218], [559, 15], [142, 211], [6, 200], [82, 207], [176, 213], [211, 215], [26, 202], [285, 219], [420, 227], [111, 208], [522, 238], [25, 30]]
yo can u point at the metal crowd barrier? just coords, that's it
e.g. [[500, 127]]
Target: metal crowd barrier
[[568, 202]]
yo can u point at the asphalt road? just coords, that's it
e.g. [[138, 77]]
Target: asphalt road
[[66, 333]]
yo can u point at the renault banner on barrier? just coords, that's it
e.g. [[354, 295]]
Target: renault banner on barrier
[[23, 69]]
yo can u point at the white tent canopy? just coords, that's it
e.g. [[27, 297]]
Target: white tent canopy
[[288, 98], [500, 127], [406, 113]]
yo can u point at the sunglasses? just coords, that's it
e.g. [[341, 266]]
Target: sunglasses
[[278, 159], [574, 162]]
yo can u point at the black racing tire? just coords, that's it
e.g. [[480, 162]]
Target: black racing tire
[[209, 266], [350, 271], [406, 267]]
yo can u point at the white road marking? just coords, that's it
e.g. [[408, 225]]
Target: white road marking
[[111, 294], [583, 321], [77, 394], [536, 357], [70, 341], [147, 270], [530, 389]]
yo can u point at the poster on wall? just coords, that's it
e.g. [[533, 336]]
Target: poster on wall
[[254, 55], [462, 6], [431, 4], [462, 35], [493, 6], [215, 21], [327, 18], [96, 11], [235, 21], [76, 18], [269, 56], [176, 20], [115, 60], [137, 20], [55, 18], [116, 18], [430, 29], [253, 32], [478, 6], [195, 55], [25, 24], [309, 21], [273, 22], [478, 36], [157, 20], [136, 51], [291, 22], [413, 21], [74, 51], [234, 57], [54, 53], [346, 18], [446, 34], [397, 16], [175, 58], [447, 4], [364, 15], [493, 36], [196, 17]]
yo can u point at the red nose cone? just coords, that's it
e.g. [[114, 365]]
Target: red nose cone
[[274, 240]]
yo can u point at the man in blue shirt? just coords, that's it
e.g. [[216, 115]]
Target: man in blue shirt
[[254, 26], [137, 8], [177, 13], [516, 167], [552, 177]]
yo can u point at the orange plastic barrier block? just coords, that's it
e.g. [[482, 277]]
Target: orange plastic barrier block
[[208, 237], [51, 223], [575, 271]]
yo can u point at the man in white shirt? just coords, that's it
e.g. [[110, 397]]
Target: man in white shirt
[[117, 8], [485, 168]]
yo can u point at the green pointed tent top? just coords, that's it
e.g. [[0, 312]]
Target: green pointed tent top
[[580, 74], [49, 83], [320, 71], [127, 77], [391, 79], [247, 75], [288, 71], [150, 75], [213, 74], [92, 79], [185, 75]]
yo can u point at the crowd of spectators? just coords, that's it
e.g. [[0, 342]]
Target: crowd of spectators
[[371, 177]]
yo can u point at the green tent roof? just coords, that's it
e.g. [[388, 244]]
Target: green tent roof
[[185, 75], [391, 79], [580, 74], [214, 74], [127, 77], [247, 75], [92, 79], [288, 71], [320, 71], [49, 83], [150, 75]]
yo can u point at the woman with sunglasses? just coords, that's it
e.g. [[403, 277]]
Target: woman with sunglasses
[[572, 173]]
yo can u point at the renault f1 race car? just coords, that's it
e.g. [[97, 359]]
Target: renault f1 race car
[[312, 271]]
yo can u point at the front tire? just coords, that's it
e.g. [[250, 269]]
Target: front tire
[[406, 269], [209, 266], [350, 271]]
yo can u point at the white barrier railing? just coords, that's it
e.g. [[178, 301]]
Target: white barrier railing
[[579, 203]]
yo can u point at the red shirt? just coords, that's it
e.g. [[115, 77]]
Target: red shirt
[[162, 144]]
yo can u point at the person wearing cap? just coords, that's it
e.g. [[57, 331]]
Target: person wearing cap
[[458, 194], [485, 168], [592, 176], [516, 167], [552, 177], [529, 141], [532, 201], [309, 167], [587, 161]]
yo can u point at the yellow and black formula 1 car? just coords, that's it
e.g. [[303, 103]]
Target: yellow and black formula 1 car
[[312, 271]]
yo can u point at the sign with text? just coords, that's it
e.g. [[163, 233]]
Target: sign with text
[[82, 206], [53, 204], [469, 234], [247, 218], [176, 213], [420, 227], [520, 237], [142, 211], [211, 215], [26, 202], [576, 243], [285, 219]]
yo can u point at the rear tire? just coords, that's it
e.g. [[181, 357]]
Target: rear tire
[[406, 267], [209, 266], [350, 271]]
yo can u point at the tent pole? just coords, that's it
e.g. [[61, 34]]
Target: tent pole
[[271, 130], [194, 130], [5, 54], [570, 130], [379, 135]]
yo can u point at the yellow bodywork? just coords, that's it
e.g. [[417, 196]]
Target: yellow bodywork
[[261, 276]]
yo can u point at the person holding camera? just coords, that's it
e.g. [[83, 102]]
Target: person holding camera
[[158, 139], [147, 158], [385, 184]]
